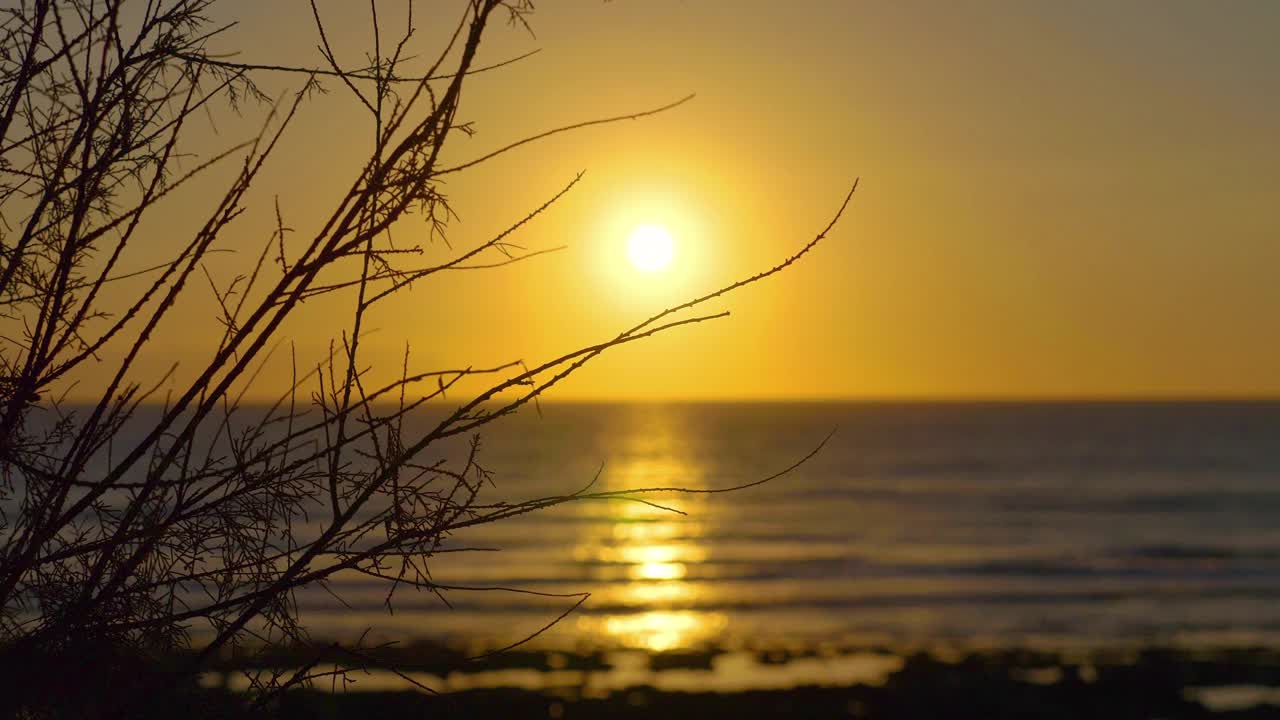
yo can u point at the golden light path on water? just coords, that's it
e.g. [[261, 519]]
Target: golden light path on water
[[649, 551]]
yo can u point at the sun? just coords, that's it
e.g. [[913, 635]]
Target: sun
[[650, 248]]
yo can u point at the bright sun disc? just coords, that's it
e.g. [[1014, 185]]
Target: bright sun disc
[[650, 248]]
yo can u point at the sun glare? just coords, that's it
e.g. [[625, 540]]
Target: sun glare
[[650, 248]]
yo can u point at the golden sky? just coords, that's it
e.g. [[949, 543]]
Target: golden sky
[[1056, 200]]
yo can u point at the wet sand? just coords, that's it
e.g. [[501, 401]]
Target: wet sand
[[1166, 683]]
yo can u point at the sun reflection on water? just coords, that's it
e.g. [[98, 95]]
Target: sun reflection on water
[[639, 554], [656, 594], [658, 571], [655, 531], [657, 630], [649, 551]]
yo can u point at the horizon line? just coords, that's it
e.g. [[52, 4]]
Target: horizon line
[[1189, 399]]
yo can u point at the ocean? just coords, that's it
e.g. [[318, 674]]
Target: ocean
[[916, 525]]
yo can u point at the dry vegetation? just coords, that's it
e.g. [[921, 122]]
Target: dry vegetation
[[165, 516]]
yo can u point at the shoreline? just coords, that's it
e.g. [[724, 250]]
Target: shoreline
[[1152, 682]]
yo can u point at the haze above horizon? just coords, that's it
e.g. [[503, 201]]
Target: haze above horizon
[[1057, 200]]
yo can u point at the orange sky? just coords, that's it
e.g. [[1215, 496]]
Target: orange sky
[[1057, 199]]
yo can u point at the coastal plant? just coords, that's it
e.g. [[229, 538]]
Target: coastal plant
[[150, 525]]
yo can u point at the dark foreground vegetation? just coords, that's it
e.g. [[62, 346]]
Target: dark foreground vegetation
[[985, 698], [1154, 683], [148, 518]]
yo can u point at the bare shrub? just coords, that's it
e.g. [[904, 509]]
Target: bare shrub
[[150, 525]]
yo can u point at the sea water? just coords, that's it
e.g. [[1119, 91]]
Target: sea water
[[1006, 524]]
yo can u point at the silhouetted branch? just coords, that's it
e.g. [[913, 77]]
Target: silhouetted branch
[[167, 515], [364, 74], [564, 129]]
